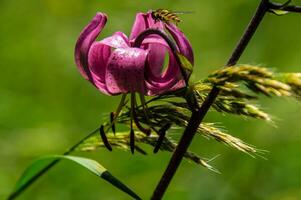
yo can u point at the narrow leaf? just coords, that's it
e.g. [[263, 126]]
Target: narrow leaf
[[89, 164]]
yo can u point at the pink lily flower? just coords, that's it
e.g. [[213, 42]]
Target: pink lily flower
[[117, 65], [114, 66]]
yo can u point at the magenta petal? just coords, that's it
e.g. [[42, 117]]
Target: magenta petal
[[125, 71], [97, 59], [86, 38], [182, 42], [152, 23], [156, 58], [99, 55], [157, 80], [153, 90], [142, 22], [158, 45], [167, 82], [140, 25], [118, 40], [157, 49]]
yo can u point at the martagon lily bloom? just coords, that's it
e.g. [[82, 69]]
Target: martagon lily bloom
[[114, 66]]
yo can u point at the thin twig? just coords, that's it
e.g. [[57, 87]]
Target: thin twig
[[197, 116], [288, 8]]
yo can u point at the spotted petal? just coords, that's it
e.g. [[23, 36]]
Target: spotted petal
[[125, 72], [99, 55], [117, 40]]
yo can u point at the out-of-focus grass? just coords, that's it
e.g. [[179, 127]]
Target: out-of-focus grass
[[45, 105]]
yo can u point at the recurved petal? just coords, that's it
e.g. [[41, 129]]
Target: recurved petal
[[97, 61], [84, 42], [182, 42], [142, 22], [156, 89], [156, 58], [152, 23], [157, 48], [169, 80], [117, 40], [125, 72], [158, 79], [99, 55]]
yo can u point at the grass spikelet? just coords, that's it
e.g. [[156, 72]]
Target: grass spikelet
[[121, 141]]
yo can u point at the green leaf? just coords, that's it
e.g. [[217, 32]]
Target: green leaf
[[186, 64], [91, 165]]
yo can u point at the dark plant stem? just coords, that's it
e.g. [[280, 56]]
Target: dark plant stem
[[198, 115], [15, 194], [289, 8]]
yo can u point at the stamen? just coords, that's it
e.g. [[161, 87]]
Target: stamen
[[140, 150], [117, 112], [104, 138], [146, 131], [132, 134], [162, 132], [145, 108], [132, 141], [112, 117]]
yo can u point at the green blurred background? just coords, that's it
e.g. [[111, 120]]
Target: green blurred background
[[46, 106]]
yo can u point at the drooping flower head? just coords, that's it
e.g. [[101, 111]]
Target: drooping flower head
[[114, 65], [122, 65]]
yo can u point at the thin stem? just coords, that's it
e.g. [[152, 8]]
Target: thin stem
[[288, 8], [198, 115]]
